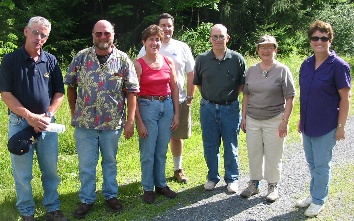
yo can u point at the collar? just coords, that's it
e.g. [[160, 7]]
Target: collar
[[212, 56], [41, 58]]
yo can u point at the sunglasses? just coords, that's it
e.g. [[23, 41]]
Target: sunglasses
[[36, 33], [216, 37], [315, 38], [99, 34]]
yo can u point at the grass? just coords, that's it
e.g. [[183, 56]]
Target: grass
[[129, 172]]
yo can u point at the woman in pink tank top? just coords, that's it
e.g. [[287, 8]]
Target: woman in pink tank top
[[157, 113]]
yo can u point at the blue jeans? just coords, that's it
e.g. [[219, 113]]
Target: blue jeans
[[220, 122], [89, 142], [157, 117], [46, 148], [318, 152]]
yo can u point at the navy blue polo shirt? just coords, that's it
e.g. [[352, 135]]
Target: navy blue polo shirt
[[33, 83]]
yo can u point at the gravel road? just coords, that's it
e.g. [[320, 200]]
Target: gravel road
[[219, 205]]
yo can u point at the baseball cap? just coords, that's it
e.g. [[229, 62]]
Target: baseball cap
[[21, 142], [267, 39]]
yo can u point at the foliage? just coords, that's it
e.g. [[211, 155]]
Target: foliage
[[72, 22], [341, 17], [198, 39]]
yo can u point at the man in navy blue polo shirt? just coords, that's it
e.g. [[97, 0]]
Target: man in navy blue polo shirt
[[31, 85]]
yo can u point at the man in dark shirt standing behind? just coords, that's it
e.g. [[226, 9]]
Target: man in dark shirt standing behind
[[31, 86], [219, 76]]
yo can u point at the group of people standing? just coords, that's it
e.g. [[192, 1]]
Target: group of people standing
[[108, 94]]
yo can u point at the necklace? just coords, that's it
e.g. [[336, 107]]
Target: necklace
[[266, 69]]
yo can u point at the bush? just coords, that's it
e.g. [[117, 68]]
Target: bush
[[198, 39], [341, 17]]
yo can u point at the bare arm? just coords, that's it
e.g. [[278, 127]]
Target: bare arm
[[72, 95], [190, 86], [283, 127], [142, 131], [345, 95], [175, 96], [129, 124], [38, 121], [244, 112]]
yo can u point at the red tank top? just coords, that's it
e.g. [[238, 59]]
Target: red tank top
[[155, 82]]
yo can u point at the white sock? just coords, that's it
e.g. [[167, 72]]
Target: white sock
[[177, 161]]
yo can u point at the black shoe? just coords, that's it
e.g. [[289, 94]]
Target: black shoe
[[27, 218], [82, 210], [149, 197], [56, 215], [166, 191], [114, 204]]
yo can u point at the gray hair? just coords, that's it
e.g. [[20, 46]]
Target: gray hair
[[41, 21]]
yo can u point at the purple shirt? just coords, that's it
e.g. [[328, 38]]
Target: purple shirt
[[319, 96]]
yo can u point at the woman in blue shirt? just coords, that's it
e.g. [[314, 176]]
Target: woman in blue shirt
[[324, 106]]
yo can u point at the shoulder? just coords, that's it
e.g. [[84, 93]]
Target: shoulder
[[205, 55], [179, 43]]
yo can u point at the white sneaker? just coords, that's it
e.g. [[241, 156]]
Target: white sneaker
[[313, 210], [304, 202], [232, 187], [210, 185]]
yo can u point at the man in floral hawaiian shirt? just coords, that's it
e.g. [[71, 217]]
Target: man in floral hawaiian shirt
[[100, 79]]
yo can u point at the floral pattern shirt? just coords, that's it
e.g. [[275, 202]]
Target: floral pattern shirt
[[101, 88]]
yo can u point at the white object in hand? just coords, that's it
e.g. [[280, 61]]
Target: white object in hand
[[58, 128]]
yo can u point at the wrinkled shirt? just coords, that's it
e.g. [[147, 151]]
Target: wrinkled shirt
[[101, 89], [319, 96]]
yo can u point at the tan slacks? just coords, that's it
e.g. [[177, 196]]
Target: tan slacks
[[265, 148]]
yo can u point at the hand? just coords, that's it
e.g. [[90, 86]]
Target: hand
[[189, 101], [39, 122], [298, 127], [175, 123], [129, 129], [142, 131], [283, 129], [340, 133], [243, 125]]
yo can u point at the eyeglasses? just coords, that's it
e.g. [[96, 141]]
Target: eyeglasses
[[216, 37], [106, 34], [265, 48], [315, 38], [36, 33]]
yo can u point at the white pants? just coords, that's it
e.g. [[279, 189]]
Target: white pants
[[263, 142]]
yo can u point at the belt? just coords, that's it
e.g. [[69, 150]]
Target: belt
[[221, 102], [160, 98]]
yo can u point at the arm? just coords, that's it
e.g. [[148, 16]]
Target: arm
[[142, 131], [72, 95], [345, 95], [175, 96], [283, 127], [190, 87], [244, 111], [38, 121], [129, 124], [56, 102]]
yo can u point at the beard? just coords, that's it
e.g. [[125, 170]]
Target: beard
[[103, 45]]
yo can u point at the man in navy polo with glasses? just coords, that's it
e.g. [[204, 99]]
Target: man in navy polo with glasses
[[100, 79], [219, 76], [31, 86]]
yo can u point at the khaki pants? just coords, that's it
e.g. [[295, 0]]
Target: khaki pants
[[265, 148]]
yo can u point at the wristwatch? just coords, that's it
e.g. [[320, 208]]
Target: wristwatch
[[190, 97], [340, 125], [49, 114]]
